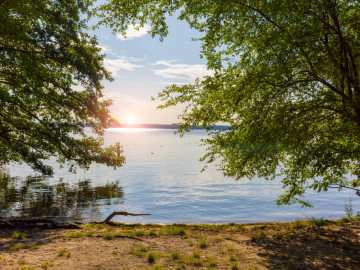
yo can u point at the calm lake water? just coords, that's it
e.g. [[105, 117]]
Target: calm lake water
[[161, 177]]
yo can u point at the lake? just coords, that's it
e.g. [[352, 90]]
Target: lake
[[162, 176]]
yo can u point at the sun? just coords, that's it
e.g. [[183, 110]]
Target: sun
[[130, 120]]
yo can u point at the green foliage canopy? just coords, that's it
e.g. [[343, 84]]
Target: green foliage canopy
[[286, 80], [50, 74]]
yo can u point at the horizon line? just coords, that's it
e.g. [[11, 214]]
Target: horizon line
[[162, 126]]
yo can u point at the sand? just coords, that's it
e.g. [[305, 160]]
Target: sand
[[297, 245]]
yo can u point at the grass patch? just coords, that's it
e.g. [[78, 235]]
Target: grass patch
[[319, 222], [195, 261], [36, 247], [152, 233], [278, 236], [212, 262], [135, 233], [78, 234], [151, 257], [143, 249], [64, 253], [203, 244], [21, 262], [259, 235], [175, 231], [344, 220], [230, 248], [301, 224], [115, 252], [232, 258], [317, 236], [74, 235], [159, 267], [234, 266], [181, 266], [132, 234], [139, 251], [108, 236], [196, 254], [175, 255], [190, 260], [45, 265], [136, 252], [18, 235], [14, 247]]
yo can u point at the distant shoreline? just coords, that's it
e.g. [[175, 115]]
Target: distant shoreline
[[162, 126]]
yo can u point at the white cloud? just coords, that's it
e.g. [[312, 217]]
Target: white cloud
[[167, 83], [104, 49], [134, 32], [181, 71], [126, 63], [164, 63]]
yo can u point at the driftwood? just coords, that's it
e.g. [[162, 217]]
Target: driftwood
[[107, 220], [51, 224]]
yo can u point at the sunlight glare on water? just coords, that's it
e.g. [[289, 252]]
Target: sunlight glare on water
[[162, 177]]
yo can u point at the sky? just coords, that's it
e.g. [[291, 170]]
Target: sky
[[142, 66]]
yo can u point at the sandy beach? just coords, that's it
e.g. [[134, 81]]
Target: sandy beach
[[316, 244]]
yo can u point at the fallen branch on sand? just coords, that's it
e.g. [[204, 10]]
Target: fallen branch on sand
[[123, 214]]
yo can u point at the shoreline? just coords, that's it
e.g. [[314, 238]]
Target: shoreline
[[312, 244]]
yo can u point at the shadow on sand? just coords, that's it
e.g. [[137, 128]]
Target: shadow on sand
[[332, 246]]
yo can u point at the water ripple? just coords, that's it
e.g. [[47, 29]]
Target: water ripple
[[162, 177]]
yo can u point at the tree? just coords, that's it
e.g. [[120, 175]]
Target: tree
[[286, 81], [50, 86]]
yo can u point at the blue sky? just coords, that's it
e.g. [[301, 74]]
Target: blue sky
[[142, 66]]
